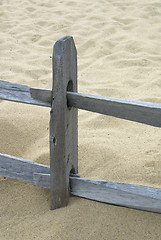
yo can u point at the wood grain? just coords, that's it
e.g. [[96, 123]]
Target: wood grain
[[63, 122], [137, 111], [19, 93], [122, 194], [18, 168]]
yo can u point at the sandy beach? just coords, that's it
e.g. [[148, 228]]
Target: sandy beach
[[119, 55]]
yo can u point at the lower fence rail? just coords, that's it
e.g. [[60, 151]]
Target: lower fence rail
[[122, 194]]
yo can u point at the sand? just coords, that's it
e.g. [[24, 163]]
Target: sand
[[119, 55]]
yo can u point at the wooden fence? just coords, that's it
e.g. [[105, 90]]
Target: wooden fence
[[61, 177]]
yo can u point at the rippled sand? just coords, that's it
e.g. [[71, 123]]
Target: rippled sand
[[119, 55]]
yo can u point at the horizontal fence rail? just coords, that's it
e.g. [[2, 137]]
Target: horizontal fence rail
[[123, 194], [137, 111], [19, 93], [20, 169], [25, 170]]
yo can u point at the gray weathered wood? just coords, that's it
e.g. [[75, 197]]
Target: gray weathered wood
[[25, 170], [122, 194], [63, 122], [128, 195], [19, 93], [42, 95], [43, 180], [17, 168], [138, 111]]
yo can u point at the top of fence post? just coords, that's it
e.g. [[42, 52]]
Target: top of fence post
[[63, 122]]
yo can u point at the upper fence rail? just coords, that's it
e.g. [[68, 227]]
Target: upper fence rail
[[137, 111], [19, 93]]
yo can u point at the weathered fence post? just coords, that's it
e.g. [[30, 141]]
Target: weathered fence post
[[63, 122]]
